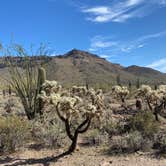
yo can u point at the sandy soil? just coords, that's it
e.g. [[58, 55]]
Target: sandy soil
[[86, 156]]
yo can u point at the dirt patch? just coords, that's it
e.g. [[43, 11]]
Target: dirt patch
[[85, 156]]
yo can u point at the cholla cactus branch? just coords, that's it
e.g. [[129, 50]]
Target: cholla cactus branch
[[76, 107], [120, 92], [155, 99]]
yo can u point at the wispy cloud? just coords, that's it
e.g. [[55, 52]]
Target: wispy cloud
[[105, 45], [102, 42], [159, 65], [122, 11], [152, 36]]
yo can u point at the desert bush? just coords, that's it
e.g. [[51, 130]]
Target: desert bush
[[49, 131], [145, 123], [160, 143], [13, 106], [111, 127], [14, 133], [129, 143], [95, 137]]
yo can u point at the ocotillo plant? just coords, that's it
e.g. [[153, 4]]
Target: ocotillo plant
[[24, 78]]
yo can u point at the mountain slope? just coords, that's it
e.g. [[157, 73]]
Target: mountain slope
[[146, 73], [80, 67]]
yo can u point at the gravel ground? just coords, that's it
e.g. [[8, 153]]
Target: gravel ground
[[86, 156]]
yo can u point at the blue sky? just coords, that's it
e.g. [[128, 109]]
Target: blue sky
[[122, 31]]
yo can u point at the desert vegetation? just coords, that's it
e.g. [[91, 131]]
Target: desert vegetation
[[36, 112]]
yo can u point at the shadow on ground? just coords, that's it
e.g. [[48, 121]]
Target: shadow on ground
[[44, 161]]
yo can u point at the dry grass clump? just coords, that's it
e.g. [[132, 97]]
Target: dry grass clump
[[14, 133], [49, 131]]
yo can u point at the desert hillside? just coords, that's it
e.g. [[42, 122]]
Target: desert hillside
[[80, 67]]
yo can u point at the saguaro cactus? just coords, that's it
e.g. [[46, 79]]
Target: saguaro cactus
[[118, 80], [138, 83], [41, 80], [41, 77]]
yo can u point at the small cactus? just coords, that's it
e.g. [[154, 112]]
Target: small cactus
[[10, 90], [155, 87], [129, 85]]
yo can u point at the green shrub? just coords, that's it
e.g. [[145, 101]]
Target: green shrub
[[129, 143], [145, 123], [14, 133]]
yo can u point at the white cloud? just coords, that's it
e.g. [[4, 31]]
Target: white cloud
[[102, 44], [97, 10], [99, 43], [152, 36], [110, 46], [104, 56], [122, 10], [159, 65], [133, 2]]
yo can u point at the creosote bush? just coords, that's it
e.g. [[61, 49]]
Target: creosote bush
[[14, 133], [128, 143], [145, 123]]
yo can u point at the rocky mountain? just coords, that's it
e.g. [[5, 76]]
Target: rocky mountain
[[79, 67]]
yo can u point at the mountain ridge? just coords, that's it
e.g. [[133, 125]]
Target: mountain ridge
[[81, 67], [86, 67]]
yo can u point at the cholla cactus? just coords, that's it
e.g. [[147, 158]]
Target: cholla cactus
[[120, 92], [152, 97], [155, 99], [76, 107]]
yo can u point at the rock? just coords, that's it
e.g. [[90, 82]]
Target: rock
[[140, 153], [105, 163]]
